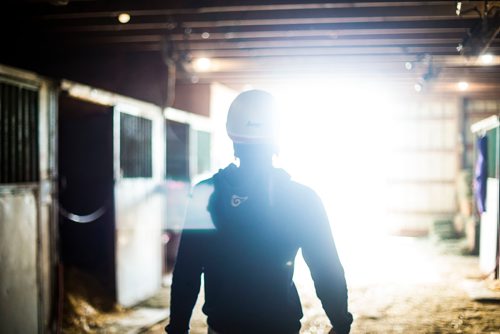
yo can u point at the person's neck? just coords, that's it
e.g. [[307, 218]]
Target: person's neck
[[252, 170]]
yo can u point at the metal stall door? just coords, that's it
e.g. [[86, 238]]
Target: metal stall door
[[177, 185], [188, 161], [26, 157], [139, 162]]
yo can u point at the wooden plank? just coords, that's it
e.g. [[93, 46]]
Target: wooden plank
[[455, 34], [315, 43], [329, 33], [275, 42], [312, 51], [250, 33], [99, 11], [284, 24]]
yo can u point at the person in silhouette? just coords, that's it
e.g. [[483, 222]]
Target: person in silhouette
[[243, 229]]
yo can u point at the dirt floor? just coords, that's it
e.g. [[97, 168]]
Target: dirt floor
[[396, 285]]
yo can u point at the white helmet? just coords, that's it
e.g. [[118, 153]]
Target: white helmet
[[252, 118]]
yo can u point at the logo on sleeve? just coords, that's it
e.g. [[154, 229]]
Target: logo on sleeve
[[236, 200]]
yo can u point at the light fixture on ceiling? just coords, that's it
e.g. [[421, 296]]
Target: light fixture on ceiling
[[409, 65], [458, 10], [486, 59], [205, 35], [124, 18], [463, 86], [202, 64], [59, 2], [418, 87]]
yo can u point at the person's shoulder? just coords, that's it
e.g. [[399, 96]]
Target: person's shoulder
[[209, 181], [205, 182], [304, 191], [295, 188], [203, 188]]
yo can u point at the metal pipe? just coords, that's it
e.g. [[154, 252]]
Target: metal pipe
[[497, 173]]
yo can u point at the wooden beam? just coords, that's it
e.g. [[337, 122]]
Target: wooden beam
[[97, 10], [316, 51], [223, 45], [213, 43], [331, 33], [315, 22]]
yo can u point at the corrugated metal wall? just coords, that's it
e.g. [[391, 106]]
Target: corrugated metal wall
[[424, 164]]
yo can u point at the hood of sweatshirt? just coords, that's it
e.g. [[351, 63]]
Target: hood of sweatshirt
[[237, 201]]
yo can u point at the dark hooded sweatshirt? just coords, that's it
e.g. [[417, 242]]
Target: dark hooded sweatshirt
[[247, 255]]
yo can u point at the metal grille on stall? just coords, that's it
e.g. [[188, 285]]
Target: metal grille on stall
[[19, 133], [188, 160], [423, 166], [136, 149]]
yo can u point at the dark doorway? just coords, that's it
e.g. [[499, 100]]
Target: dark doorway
[[86, 190]]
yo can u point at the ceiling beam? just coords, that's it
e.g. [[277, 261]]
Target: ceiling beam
[[79, 12], [223, 45], [345, 51], [332, 33], [231, 31]]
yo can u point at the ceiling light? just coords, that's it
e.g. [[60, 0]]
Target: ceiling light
[[458, 9], [408, 65], [202, 64], [486, 59], [205, 35], [418, 87], [124, 18], [463, 85]]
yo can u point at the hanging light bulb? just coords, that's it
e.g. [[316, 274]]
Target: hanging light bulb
[[458, 10], [418, 87], [124, 18], [202, 64], [486, 59], [463, 85]]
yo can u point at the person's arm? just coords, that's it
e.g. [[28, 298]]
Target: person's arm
[[185, 283], [189, 264], [320, 254]]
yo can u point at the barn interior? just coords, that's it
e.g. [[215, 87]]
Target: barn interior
[[112, 110]]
